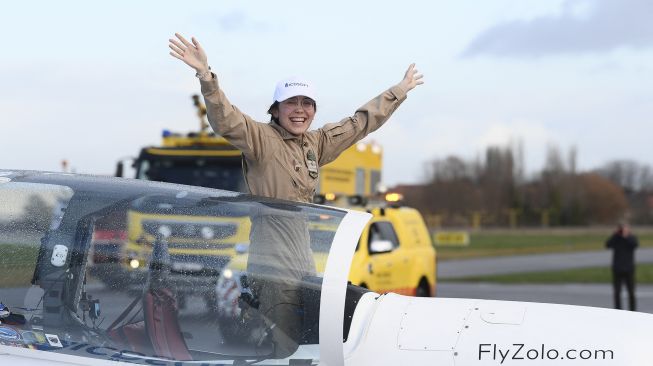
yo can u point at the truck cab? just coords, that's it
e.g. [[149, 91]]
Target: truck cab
[[199, 159]]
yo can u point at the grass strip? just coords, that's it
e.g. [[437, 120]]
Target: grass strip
[[17, 263], [643, 274], [524, 242]]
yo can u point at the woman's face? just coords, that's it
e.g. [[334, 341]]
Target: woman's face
[[295, 114]]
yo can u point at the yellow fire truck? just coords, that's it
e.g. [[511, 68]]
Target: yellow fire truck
[[207, 160]]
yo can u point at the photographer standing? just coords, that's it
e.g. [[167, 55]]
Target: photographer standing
[[623, 245]]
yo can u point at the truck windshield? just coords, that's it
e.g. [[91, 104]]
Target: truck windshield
[[221, 173]]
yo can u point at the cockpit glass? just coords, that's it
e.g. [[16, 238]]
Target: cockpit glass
[[146, 272], [27, 212]]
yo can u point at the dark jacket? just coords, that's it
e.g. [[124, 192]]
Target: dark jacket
[[623, 258]]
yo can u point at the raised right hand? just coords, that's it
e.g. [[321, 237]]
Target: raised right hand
[[411, 79], [191, 53]]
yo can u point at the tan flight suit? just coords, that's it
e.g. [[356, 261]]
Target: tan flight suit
[[276, 161], [280, 165]]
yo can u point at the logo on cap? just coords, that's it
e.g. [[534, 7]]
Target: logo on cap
[[296, 84]]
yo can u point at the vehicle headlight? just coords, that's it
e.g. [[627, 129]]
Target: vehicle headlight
[[134, 263], [207, 233], [165, 231], [241, 248]]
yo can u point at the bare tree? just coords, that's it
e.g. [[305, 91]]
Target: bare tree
[[493, 184], [554, 165], [628, 174], [601, 201], [571, 162], [37, 214], [519, 164], [450, 169]]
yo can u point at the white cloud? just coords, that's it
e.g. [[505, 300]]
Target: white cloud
[[533, 134], [240, 21], [581, 27]]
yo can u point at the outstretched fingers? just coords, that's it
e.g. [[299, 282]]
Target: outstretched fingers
[[197, 44], [412, 78], [183, 40], [417, 77], [190, 53], [410, 70], [176, 49], [177, 44], [175, 55]]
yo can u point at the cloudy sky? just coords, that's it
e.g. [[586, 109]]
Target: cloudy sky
[[92, 82]]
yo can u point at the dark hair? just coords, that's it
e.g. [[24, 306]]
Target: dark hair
[[275, 105]]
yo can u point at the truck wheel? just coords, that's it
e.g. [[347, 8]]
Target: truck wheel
[[211, 302], [423, 289], [229, 330]]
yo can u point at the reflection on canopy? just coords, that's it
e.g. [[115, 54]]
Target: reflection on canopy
[[140, 267]]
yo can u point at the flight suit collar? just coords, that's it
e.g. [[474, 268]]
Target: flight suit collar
[[282, 131]]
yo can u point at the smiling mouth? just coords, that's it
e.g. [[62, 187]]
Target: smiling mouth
[[298, 120]]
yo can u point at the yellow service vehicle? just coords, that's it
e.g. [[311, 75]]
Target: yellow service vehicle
[[199, 242], [394, 254], [357, 171], [199, 159]]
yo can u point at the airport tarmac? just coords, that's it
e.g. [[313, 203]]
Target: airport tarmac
[[531, 263], [598, 295]]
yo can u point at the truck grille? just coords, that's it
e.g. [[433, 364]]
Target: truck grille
[[204, 231], [198, 265]]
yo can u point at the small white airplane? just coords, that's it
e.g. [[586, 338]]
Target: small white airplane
[[75, 290]]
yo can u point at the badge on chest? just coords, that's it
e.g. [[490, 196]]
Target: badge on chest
[[311, 162]]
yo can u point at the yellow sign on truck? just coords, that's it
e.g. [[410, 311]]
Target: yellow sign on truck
[[357, 171], [452, 238]]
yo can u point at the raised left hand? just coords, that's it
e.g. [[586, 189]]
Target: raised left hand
[[192, 54]]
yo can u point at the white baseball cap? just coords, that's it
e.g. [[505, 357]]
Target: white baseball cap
[[292, 87]]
